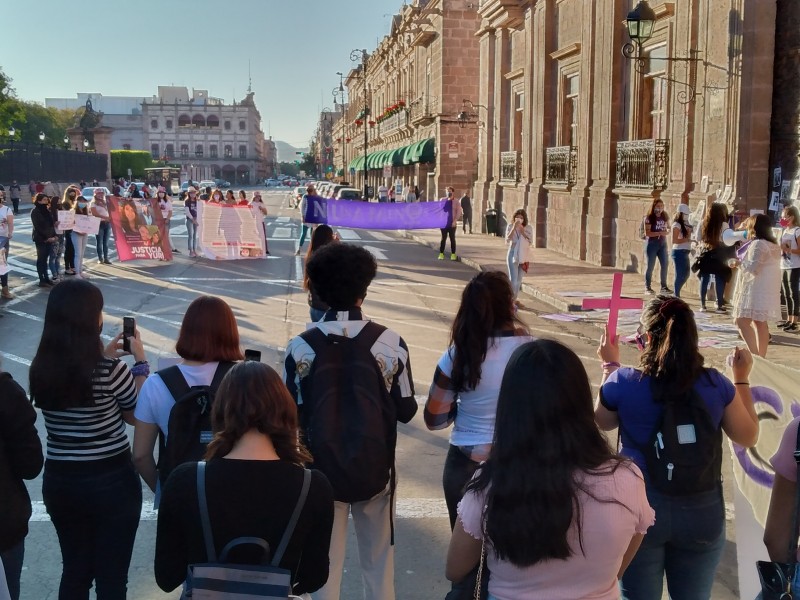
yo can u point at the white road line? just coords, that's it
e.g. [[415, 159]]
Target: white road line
[[348, 234], [15, 358], [381, 237], [407, 508]]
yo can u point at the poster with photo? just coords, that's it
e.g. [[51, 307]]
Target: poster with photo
[[140, 231], [785, 190], [776, 177], [229, 231]]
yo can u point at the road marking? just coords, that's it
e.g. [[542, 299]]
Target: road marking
[[407, 508], [348, 234], [376, 252], [283, 233], [15, 358], [381, 237]]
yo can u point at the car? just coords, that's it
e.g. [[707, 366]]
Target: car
[[348, 193], [207, 183], [272, 183], [88, 192], [297, 195], [221, 183]]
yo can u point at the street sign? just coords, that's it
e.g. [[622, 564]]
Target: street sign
[[452, 149], [387, 171]]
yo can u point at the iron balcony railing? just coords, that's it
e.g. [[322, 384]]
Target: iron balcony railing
[[510, 166], [423, 109], [393, 123], [642, 164], [561, 165]]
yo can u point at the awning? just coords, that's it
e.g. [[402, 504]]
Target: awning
[[357, 164], [423, 151], [372, 160], [339, 172], [394, 158]]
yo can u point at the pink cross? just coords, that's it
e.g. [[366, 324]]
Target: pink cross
[[614, 304]]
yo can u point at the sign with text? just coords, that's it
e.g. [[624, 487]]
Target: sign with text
[[86, 224], [229, 231], [381, 215], [140, 231]]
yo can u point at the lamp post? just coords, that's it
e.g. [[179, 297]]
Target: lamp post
[[354, 55], [85, 145], [11, 133], [340, 91], [66, 143], [41, 152]]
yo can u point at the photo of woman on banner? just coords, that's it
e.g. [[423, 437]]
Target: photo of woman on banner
[[136, 238], [130, 219]]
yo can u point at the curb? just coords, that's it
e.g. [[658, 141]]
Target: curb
[[547, 298]]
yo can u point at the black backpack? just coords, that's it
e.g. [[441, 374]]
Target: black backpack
[[349, 419], [189, 429], [684, 453]]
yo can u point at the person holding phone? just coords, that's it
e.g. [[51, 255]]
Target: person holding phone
[[519, 235]]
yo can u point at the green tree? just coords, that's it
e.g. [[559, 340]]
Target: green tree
[[135, 160]]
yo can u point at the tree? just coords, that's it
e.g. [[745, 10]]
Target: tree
[[135, 160]]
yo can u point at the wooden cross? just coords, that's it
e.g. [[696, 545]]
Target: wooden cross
[[614, 304]]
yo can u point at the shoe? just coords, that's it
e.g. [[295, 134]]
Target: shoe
[[45, 283], [665, 290], [649, 291], [782, 324], [106, 261], [791, 327], [703, 308], [6, 294], [441, 255], [721, 310], [297, 253], [176, 251], [70, 272], [453, 257]]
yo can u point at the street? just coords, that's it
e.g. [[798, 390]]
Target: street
[[414, 294]]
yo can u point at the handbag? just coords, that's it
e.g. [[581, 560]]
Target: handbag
[[219, 580], [525, 266], [777, 579], [474, 586]]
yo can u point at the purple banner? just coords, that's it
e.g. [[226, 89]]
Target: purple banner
[[378, 215]]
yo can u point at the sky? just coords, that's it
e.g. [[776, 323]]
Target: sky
[[123, 48]]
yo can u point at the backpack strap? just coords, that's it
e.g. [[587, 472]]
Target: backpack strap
[[287, 534], [222, 369], [369, 334], [205, 522], [793, 539], [315, 338], [175, 381]]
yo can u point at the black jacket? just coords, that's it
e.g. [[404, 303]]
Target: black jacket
[[43, 224], [20, 458]]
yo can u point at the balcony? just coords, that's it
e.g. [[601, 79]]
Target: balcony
[[423, 110], [510, 166], [642, 164], [561, 165], [393, 123]]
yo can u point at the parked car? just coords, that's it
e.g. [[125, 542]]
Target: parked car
[[221, 183], [348, 193], [272, 183], [88, 192]]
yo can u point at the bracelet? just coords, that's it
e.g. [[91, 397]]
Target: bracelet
[[141, 370], [742, 383], [140, 362], [608, 365]]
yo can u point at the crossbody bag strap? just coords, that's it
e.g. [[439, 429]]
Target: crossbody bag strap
[[205, 522], [287, 535], [792, 557]]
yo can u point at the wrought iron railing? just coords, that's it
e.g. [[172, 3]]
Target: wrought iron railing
[[424, 108], [394, 122], [25, 161], [510, 166], [561, 165], [642, 164]]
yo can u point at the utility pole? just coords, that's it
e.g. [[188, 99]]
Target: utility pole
[[354, 56]]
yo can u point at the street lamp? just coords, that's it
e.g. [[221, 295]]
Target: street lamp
[[66, 143], [41, 151], [11, 133], [354, 57], [85, 145], [640, 23]]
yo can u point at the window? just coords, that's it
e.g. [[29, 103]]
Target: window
[[154, 124], [518, 108], [212, 151], [184, 150], [242, 125], [242, 151], [170, 150], [198, 150], [227, 125], [569, 110], [169, 123], [153, 149], [184, 121], [228, 151], [653, 96], [212, 121], [126, 146]]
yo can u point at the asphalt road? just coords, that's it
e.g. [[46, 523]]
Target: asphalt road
[[414, 294]]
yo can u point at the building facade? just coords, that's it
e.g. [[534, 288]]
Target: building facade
[[584, 137], [401, 124]]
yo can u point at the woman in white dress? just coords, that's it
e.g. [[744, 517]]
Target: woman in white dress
[[756, 300], [519, 235]]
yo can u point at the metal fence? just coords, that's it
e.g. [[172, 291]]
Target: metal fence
[[25, 162], [561, 165], [642, 164], [510, 166]]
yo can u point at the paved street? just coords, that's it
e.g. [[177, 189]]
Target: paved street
[[414, 294]]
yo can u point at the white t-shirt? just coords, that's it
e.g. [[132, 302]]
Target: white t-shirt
[[155, 402], [4, 213], [789, 236], [383, 192], [686, 244]]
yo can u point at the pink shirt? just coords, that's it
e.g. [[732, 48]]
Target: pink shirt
[[607, 530]]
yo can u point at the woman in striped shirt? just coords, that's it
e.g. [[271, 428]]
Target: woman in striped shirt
[[87, 394]]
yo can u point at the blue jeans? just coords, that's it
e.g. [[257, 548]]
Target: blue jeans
[[56, 250], [719, 285], [656, 248], [191, 232], [79, 245], [685, 543], [5, 243], [95, 513], [12, 566], [102, 240], [303, 231], [680, 258], [515, 273]]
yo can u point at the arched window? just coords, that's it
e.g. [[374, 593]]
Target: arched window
[[198, 150], [199, 121], [212, 121], [184, 121]]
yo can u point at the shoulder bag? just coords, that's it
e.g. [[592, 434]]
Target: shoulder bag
[[778, 579], [218, 580]]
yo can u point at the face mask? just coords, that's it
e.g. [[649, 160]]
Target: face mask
[[658, 211], [82, 204], [641, 341], [784, 222]]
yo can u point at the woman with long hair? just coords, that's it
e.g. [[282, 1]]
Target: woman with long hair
[[321, 236], [230, 199], [67, 204], [519, 235], [208, 337], [656, 229], [556, 513], [129, 218], [790, 265], [254, 475], [86, 395], [467, 379], [165, 206], [6, 233], [99, 209], [687, 540], [79, 239], [44, 236], [756, 299], [712, 259], [258, 203], [242, 201], [681, 246]]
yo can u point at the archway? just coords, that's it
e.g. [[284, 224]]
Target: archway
[[184, 120], [216, 171], [199, 121], [212, 121], [243, 175], [229, 173]]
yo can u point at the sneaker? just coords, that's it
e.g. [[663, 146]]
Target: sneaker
[[791, 327], [45, 283], [721, 310], [649, 291], [106, 261], [441, 255], [665, 290], [297, 253], [703, 308], [176, 251], [453, 257], [782, 324]]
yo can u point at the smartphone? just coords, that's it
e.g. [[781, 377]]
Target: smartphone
[[252, 355], [128, 331]]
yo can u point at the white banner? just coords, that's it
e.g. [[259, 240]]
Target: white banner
[[229, 232], [86, 224]]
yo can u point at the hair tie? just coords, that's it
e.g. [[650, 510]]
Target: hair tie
[[662, 309]]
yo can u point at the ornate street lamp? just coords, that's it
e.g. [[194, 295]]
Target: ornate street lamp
[[11, 133], [468, 113], [640, 23], [66, 143], [354, 56], [85, 145]]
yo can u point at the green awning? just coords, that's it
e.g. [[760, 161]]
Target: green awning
[[372, 160], [353, 164], [422, 151], [357, 163], [339, 172], [407, 153], [394, 158]]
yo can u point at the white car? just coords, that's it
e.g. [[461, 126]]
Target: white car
[[88, 192], [348, 193]]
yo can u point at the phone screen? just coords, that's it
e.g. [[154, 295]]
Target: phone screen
[[252, 355], [128, 331]]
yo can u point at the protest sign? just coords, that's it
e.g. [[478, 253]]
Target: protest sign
[[140, 231], [86, 224], [229, 231], [66, 220], [380, 215]]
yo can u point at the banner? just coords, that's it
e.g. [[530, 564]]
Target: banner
[[66, 220], [775, 390], [229, 231], [140, 231], [378, 215], [86, 224]]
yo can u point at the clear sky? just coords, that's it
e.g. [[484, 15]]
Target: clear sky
[[58, 48]]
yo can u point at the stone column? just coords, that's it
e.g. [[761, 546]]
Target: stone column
[[483, 200]]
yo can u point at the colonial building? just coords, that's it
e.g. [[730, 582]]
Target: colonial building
[[401, 124], [585, 136], [323, 145]]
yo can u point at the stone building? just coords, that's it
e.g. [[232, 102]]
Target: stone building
[[209, 138], [323, 145], [585, 138], [408, 100]]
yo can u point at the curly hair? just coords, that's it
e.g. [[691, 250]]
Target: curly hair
[[321, 236], [253, 396], [341, 274]]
